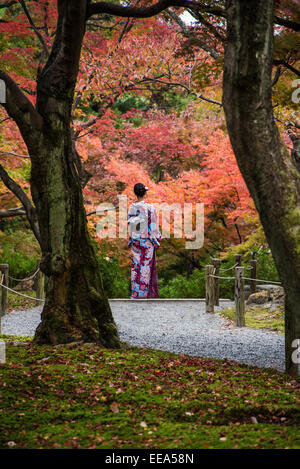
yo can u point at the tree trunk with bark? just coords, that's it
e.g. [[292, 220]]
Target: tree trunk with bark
[[269, 172], [76, 308]]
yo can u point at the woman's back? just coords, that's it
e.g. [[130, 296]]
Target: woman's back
[[143, 222], [144, 240]]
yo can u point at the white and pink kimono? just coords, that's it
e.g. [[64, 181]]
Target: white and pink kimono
[[144, 239]]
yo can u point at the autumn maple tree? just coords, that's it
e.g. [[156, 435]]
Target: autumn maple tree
[[47, 106], [76, 306]]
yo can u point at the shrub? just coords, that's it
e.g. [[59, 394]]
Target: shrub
[[183, 287], [20, 250], [115, 283]]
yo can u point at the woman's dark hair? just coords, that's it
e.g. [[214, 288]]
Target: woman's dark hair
[[139, 189]]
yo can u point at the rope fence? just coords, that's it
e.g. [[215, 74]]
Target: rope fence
[[5, 288], [20, 294], [211, 276], [26, 278], [223, 278], [212, 285], [230, 268], [263, 281]]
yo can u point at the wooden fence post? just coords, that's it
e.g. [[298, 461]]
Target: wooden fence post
[[239, 296], [216, 264], [253, 265], [40, 286], [209, 288], [238, 260], [4, 269]]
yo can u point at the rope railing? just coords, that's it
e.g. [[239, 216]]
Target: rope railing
[[230, 268], [263, 281], [5, 289], [223, 278], [212, 286], [18, 293], [26, 278], [247, 278]]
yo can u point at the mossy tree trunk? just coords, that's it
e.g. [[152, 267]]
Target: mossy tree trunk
[[269, 172], [76, 308]]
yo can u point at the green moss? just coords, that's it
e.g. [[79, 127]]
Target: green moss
[[259, 317], [84, 396]]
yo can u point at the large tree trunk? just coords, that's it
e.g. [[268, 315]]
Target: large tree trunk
[[76, 308], [266, 166]]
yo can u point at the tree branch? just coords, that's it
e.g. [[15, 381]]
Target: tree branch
[[12, 212], [38, 34], [7, 4], [287, 65], [287, 23], [136, 12], [214, 54], [276, 76], [197, 15], [14, 154], [20, 109], [20, 194], [170, 83]]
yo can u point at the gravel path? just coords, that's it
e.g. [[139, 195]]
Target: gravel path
[[177, 326]]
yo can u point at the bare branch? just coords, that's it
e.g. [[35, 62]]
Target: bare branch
[[287, 65], [212, 101], [179, 21], [170, 83], [83, 174], [136, 12], [197, 15], [38, 34], [214, 54], [100, 212], [14, 154], [276, 76], [287, 23], [23, 198], [12, 212], [20, 109]]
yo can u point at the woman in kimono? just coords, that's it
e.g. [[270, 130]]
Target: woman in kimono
[[144, 239]]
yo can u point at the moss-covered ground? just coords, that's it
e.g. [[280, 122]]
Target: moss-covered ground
[[83, 396], [259, 317], [17, 302]]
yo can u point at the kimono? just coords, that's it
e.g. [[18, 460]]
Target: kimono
[[144, 239]]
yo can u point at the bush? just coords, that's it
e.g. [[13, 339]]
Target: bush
[[194, 286], [183, 287], [20, 250], [115, 283]]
